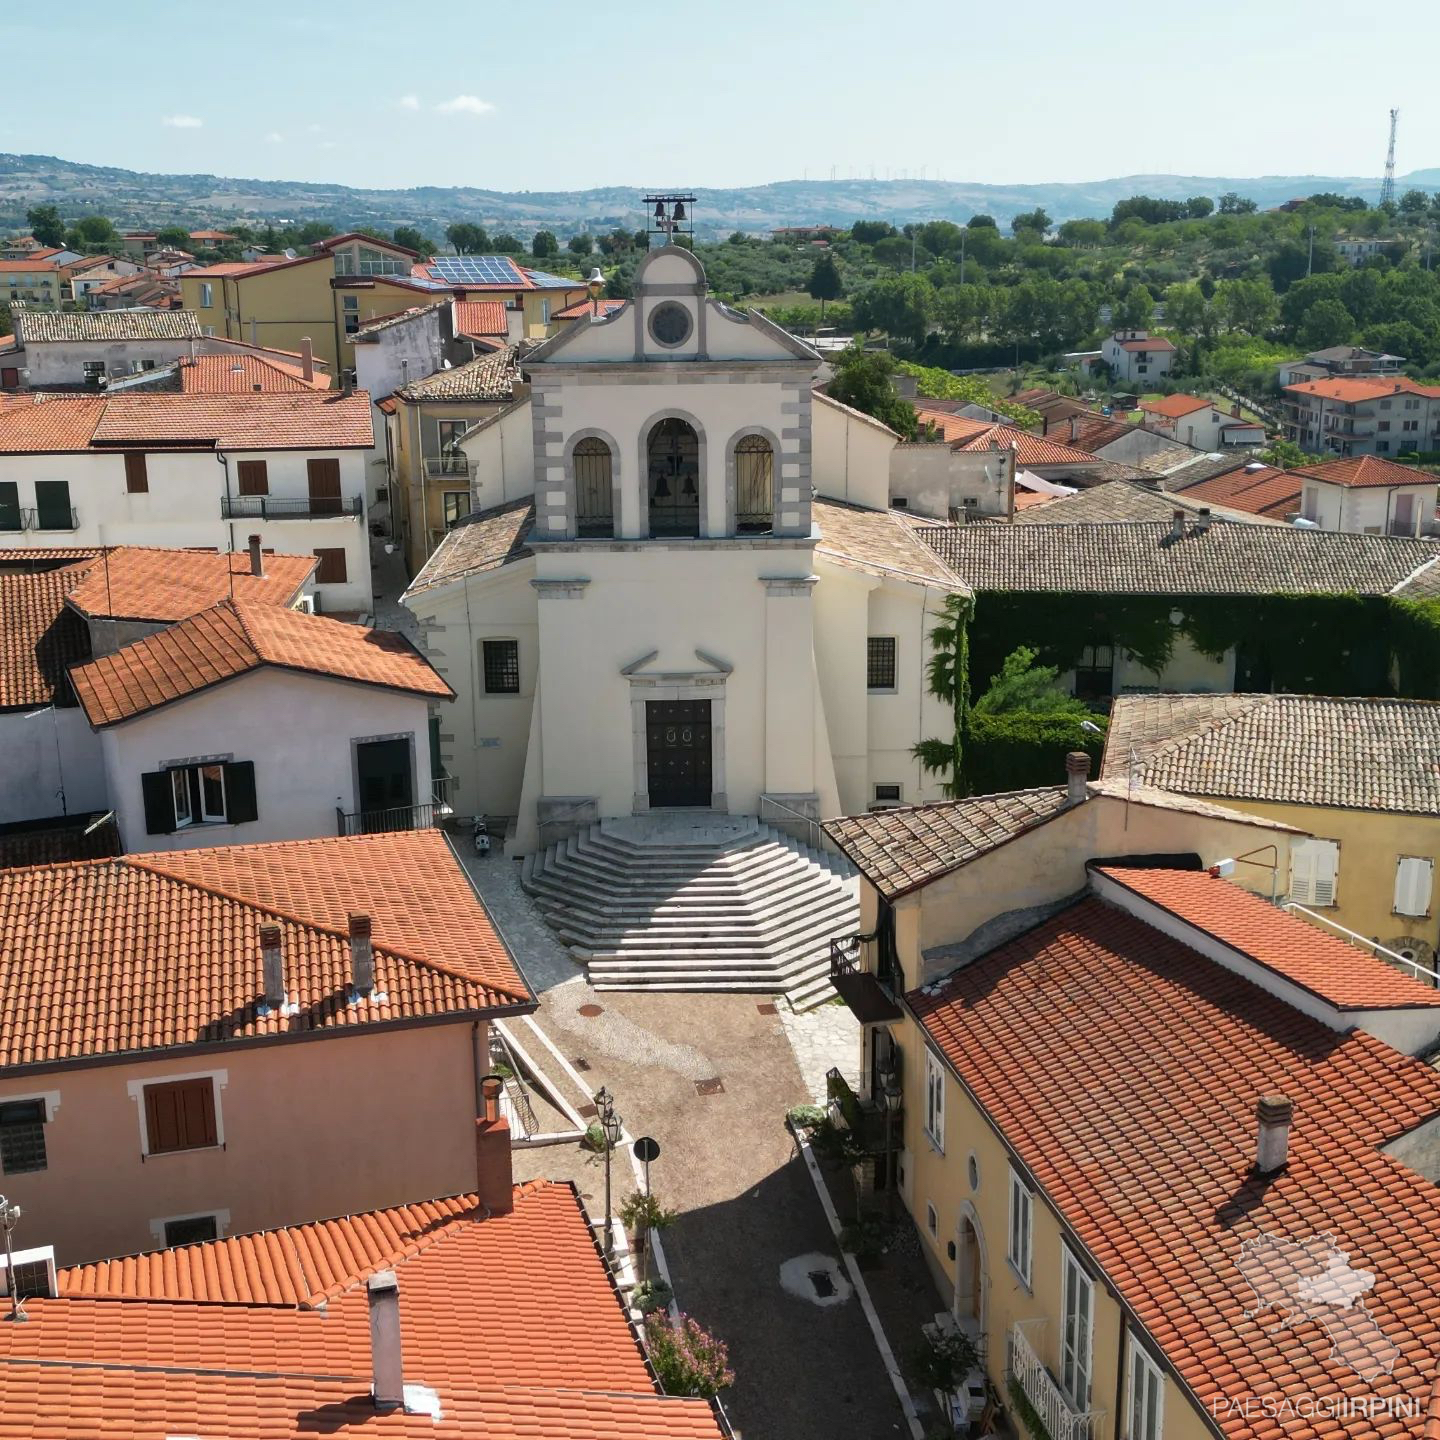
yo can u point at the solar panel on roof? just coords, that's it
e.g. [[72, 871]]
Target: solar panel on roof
[[476, 270]]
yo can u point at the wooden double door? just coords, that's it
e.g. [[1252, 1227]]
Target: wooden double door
[[677, 743]]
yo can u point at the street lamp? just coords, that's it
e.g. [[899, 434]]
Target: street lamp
[[9, 1218], [595, 284], [890, 1085], [612, 1127]]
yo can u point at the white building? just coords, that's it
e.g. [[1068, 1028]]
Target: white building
[[1136, 357], [1368, 496], [194, 470], [657, 606], [1200, 423], [1363, 415]]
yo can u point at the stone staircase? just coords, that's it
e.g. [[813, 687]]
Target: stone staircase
[[694, 901]]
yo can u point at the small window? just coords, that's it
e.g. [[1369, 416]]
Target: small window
[[1077, 1324], [180, 791], [1147, 1395], [935, 1101], [887, 797], [207, 295], [31, 1278], [880, 667], [331, 570], [1022, 1212], [192, 1230], [22, 1136], [1414, 880], [1095, 672], [457, 507], [1314, 871], [932, 1221], [253, 477], [180, 1115], [137, 478], [502, 666], [220, 793]]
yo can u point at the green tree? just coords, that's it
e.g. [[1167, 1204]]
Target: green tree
[[507, 244], [544, 245], [93, 232], [867, 232], [467, 239], [1233, 204], [1024, 685], [1083, 234], [863, 380], [1402, 337], [1135, 308], [982, 222], [1249, 305], [1413, 204], [825, 281], [172, 237], [411, 237], [899, 306], [959, 309], [581, 244], [312, 232], [1197, 207], [1326, 323], [1286, 455], [1186, 309], [47, 226], [1036, 220], [948, 680]]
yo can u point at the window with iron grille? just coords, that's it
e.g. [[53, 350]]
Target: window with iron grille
[[594, 498], [502, 667], [22, 1136], [754, 485], [880, 670]]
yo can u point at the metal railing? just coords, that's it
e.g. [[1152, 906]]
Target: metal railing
[[1062, 1421], [425, 816], [1422, 973], [49, 519], [812, 826], [877, 1129], [267, 507], [446, 465]]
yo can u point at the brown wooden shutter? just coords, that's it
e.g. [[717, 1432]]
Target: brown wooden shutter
[[180, 1115], [324, 476], [137, 479], [254, 477], [331, 570]]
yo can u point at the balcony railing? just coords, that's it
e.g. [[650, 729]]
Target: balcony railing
[[446, 465], [877, 1129], [425, 816], [267, 507], [871, 997], [1062, 1421], [51, 518]]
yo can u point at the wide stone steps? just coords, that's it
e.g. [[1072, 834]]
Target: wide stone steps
[[740, 906]]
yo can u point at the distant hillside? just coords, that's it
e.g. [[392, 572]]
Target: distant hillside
[[131, 198]]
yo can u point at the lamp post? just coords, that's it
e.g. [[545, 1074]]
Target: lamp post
[[890, 1084], [9, 1218], [595, 284], [611, 1126]]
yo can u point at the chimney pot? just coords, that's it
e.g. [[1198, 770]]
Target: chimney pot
[[1202, 520], [1177, 524], [307, 358], [1272, 1150], [362, 955], [272, 964], [257, 560], [1077, 773], [388, 1370], [490, 1091]]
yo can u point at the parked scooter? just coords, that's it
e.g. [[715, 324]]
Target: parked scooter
[[480, 834]]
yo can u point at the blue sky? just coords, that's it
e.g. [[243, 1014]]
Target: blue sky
[[563, 95]]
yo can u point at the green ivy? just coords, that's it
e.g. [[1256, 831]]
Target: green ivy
[[1021, 750]]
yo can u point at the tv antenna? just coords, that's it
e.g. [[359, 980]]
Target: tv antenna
[[1387, 187]]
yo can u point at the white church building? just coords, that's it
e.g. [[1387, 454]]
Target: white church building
[[681, 587]]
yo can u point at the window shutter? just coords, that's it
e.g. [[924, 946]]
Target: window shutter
[[240, 792], [160, 1125], [137, 479], [1326, 864], [253, 477], [1414, 876], [159, 802]]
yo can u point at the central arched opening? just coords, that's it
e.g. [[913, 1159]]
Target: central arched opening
[[673, 476]]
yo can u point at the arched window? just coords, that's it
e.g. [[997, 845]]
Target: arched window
[[754, 485], [594, 498], [673, 456]]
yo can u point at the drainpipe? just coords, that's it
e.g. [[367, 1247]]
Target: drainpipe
[[230, 523]]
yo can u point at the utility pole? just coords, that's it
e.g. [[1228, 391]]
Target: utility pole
[[1387, 187]]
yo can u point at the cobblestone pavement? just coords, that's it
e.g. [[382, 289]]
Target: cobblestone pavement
[[727, 1164]]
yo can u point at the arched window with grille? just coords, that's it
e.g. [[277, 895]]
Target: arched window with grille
[[594, 498], [754, 485]]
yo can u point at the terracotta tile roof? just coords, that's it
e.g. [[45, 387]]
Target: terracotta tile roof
[[877, 540], [1342, 975], [1290, 749], [483, 541], [1176, 406], [1356, 389], [1142, 558], [1089, 432], [1150, 342], [132, 582], [480, 318], [39, 638], [581, 308], [236, 637], [510, 1321], [1114, 502], [1265, 491], [1132, 1108], [40, 423], [1364, 471], [28, 266], [487, 377], [962, 433], [106, 326], [244, 375]]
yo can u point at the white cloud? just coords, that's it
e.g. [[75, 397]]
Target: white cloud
[[465, 105], [314, 129], [329, 144], [183, 122], [409, 102], [274, 138]]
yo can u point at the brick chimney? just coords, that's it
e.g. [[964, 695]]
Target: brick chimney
[[362, 955], [1202, 520], [257, 560], [1077, 773], [272, 964], [307, 358], [494, 1179], [1272, 1149], [388, 1370], [1177, 524]]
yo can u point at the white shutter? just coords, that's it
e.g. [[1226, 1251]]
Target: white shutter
[[1314, 868], [1327, 864], [1414, 877], [1302, 873]]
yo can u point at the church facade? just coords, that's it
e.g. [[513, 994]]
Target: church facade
[[668, 604]]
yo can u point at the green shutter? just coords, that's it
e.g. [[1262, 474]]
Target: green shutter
[[159, 802], [240, 792]]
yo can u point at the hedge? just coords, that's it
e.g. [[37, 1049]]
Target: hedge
[[1022, 750]]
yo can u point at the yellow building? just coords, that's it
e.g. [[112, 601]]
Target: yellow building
[[1359, 775], [429, 474], [1079, 1024], [31, 282]]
